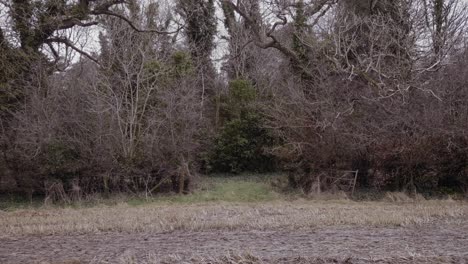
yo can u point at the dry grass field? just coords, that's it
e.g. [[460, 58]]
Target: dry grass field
[[156, 218], [215, 227]]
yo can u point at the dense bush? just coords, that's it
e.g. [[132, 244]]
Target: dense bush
[[422, 165], [241, 146], [61, 161]]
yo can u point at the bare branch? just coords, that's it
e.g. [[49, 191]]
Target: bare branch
[[71, 22], [69, 44], [273, 43], [130, 23], [311, 10], [2, 37]]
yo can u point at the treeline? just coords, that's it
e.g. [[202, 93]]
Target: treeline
[[311, 87]]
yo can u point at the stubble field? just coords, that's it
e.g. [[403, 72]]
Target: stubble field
[[264, 229]]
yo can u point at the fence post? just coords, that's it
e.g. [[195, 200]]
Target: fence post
[[354, 182]]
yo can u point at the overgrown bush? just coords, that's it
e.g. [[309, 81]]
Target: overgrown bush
[[240, 147], [61, 161], [421, 165]]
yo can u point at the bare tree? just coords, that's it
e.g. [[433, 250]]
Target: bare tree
[[152, 104], [33, 35], [131, 123], [444, 23]]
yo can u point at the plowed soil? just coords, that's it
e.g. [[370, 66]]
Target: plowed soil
[[444, 242]]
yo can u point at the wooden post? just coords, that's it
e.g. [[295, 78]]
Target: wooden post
[[318, 184], [354, 182]]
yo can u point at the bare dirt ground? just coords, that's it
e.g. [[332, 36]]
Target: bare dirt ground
[[434, 243], [248, 233]]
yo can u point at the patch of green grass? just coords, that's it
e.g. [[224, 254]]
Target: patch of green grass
[[13, 202], [247, 188], [214, 188]]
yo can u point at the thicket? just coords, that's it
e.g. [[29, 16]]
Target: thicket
[[318, 89]]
